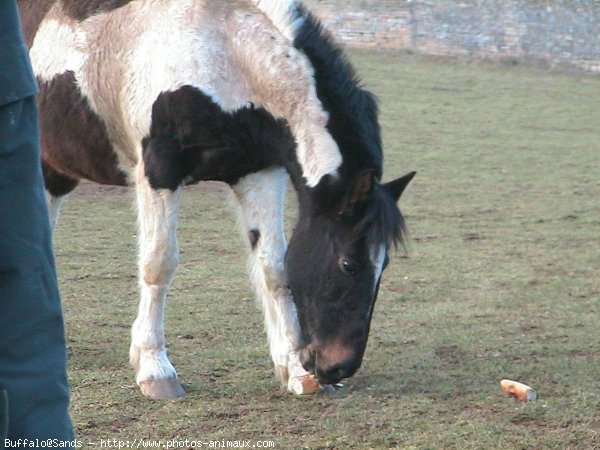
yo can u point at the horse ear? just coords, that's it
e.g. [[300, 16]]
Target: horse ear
[[358, 192], [396, 187]]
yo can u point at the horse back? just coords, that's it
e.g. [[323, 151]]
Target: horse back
[[33, 12]]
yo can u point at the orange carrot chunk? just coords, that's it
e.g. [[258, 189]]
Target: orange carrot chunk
[[519, 390]]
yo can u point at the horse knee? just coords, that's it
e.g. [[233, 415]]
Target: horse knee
[[275, 281], [159, 270], [268, 267]]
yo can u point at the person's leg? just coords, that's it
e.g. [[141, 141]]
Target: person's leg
[[32, 342]]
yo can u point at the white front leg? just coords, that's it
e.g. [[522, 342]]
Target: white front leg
[[260, 198], [158, 257]]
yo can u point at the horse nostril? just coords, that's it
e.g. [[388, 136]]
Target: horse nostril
[[336, 372]]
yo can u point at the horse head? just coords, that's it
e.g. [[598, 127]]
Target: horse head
[[334, 263]]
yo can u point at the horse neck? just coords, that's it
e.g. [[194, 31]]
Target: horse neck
[[273, 142]]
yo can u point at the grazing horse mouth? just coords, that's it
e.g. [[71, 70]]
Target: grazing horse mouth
[[333, 375]]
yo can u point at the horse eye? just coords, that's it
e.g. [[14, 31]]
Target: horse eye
[[349, 267]]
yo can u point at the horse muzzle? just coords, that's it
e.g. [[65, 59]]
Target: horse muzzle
[[331, 363]]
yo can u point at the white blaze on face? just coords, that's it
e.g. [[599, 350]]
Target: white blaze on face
[[377, 257]]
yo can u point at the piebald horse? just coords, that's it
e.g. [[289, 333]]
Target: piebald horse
[[159, 94]]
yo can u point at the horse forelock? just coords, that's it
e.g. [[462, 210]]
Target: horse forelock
[[382, 222]]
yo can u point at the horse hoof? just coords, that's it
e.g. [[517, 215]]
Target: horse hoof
[[163, 389]]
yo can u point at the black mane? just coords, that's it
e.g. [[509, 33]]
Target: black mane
[[353, 111]]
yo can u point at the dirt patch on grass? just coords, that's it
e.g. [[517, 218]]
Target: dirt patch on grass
[[451, 355]]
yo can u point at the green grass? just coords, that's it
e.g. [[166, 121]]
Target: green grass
[[501, 279]]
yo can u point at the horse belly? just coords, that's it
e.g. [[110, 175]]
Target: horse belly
[[74, 139]]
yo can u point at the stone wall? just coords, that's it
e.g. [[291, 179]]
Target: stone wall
[[558, 32]]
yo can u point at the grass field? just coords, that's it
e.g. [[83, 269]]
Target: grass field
[[501, 279]]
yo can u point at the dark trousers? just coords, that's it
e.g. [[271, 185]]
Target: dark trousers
[[32, 341]]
